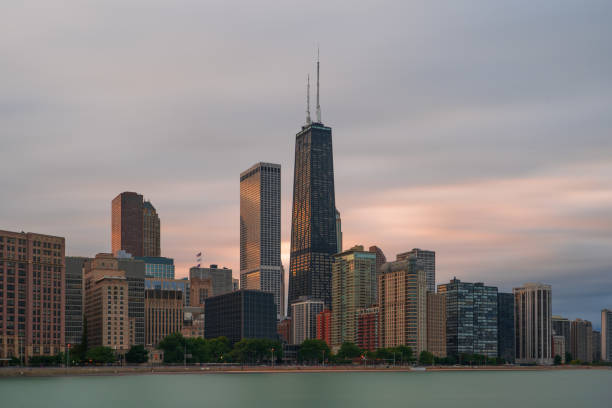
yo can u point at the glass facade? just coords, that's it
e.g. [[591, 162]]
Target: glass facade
[[260, 258], [74, 299], [313, 218], [505, 326], [471, 318], [244, 314], [158, 267]]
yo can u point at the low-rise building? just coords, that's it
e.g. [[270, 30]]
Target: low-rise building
[[367, 328]]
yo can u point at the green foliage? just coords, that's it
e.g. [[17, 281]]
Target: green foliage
[[313, 350], [137, 355], [47, 361], [199, 350], [568, 357], [101, 355], [558, 360], [349, 351], [256, 350], [399, 354], [426, 358]]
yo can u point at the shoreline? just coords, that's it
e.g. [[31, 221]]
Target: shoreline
[[11, 372]]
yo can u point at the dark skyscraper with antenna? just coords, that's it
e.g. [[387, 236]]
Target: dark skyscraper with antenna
[[313, 218]]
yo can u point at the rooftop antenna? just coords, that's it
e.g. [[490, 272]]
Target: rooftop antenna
[[308, 121], [318, 105]]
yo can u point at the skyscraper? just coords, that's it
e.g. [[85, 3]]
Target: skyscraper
[[32, 289], [221, 278], [304, 319], [402, 297], [561, 327], [353, 275], [471, 318], [260, 231], [338, 231], [135, 226], [428, 258], [313, 218], [436, 324], [533, 326], [606, 335], [505, 326], [74, 299], [582, 340], [150, 230]]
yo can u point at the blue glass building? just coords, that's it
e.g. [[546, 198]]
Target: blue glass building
[[158, 267]]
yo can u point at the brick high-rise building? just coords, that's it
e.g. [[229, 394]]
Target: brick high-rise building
[[260, 231], [582, 340], [367, 328], [402, 295], [200, 289], [428, 258], [164, 314], [32, 294], [106, 303], [324, 319], [353, 288], [283, 329], [135, 226], [436, 324], [222, 280], [533, 325]]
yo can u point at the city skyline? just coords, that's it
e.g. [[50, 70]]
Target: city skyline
[[498, 160]]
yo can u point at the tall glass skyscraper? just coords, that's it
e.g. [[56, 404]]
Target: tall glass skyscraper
[[260, 259], [313, 219]]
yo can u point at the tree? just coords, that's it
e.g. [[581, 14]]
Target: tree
[[173, 346], [568, 357], [137, 355], [426, 358], [349, 351], [219, 348], [101, 355], [313, 350], [558, 360], [255, 350]]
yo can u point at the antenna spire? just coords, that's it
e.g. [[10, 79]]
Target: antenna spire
[[318, 105], [308, 101]]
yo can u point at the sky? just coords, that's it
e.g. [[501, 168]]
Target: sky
[[481, 130]]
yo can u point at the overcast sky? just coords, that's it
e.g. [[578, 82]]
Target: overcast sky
[[477, 129]]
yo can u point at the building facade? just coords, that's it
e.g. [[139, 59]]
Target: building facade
[[260, 230], [304, 319], [74, 299], [32, 294], [505, 327], [150, 231], [135, 275], [313, 218], [338, 232], [471, 318], [558, 348], [562, 327], [436, 324], [606, 335], [164, 314], [158, 267], [193, 322], [127, 224], [283, 329], [533, 324], [402, 291], [200, 289], [353, 288], [106, 303], [367, 328], [324, 319], [596, 336], [245, 314], [582, 340], [428, 258], [222, 280]]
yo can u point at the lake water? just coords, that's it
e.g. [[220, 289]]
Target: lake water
[[558, 389]]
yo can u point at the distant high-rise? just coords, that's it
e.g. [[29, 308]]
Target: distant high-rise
[[606, 335], [74, 299], [596, 336], [428, 258], [436, 324], [561, 327], [134, 270], [32, 301], [313, 218], [402, 297], [533, 326], [164, 314], [505, 326], [338, 231], [471, 318], [260, 230], [304, 319], [353, 288], [221, 278], [381, 259], [158, 267], [582, 340], [135, 226], [151, 230]]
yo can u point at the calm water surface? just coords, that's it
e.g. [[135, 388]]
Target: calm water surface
[[558, 389]]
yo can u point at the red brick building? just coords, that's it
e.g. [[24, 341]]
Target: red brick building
[[367, 328], [324, 326], [284, 330], [32, 298]]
